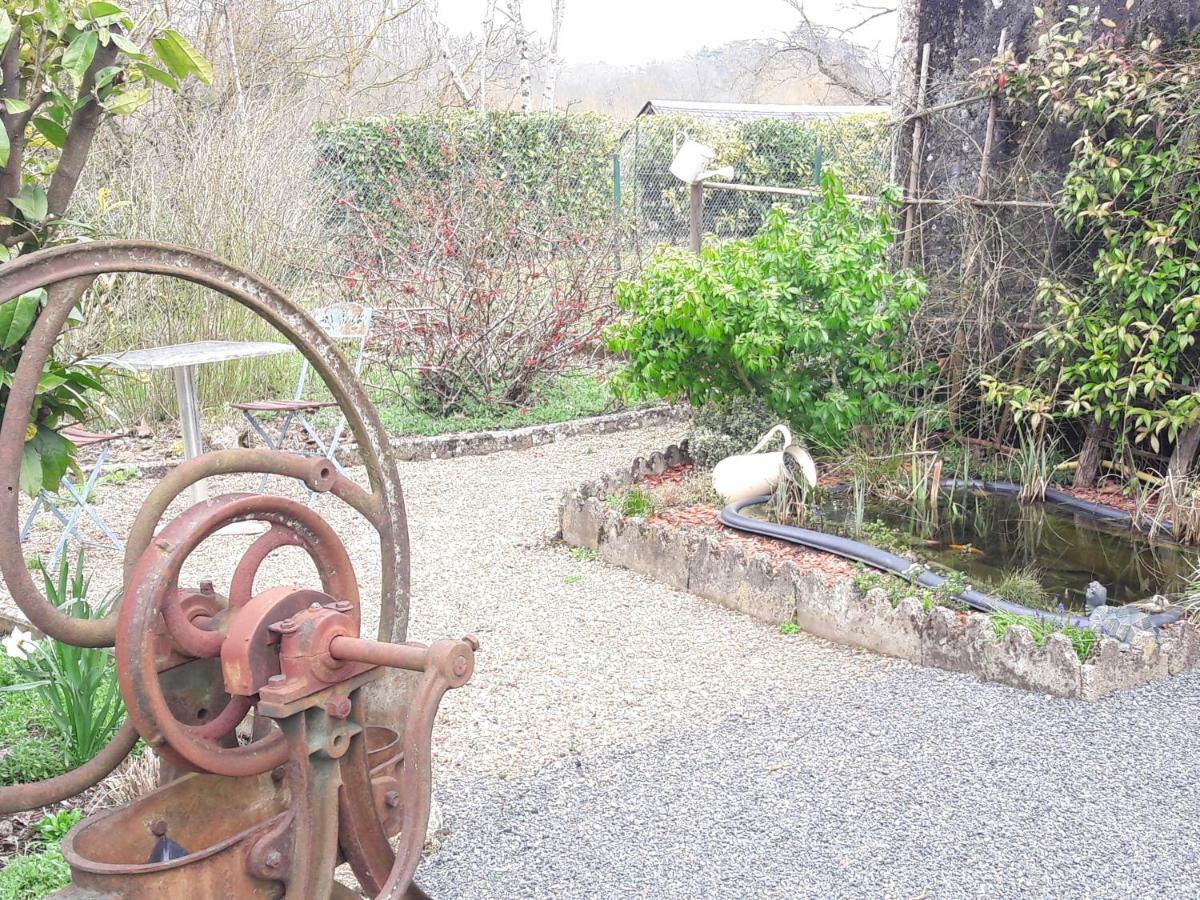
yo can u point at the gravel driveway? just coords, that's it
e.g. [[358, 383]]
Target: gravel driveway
[[624, 739]]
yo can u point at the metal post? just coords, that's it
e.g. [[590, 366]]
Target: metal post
[[696, 219], [189, 417]]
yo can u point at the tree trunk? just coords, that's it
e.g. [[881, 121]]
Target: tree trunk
[[1184, 454], [554, 62], [80, 134], [514, 13], [1089, 456], [10, 89], [455, 76]]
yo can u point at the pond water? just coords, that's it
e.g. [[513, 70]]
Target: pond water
[[987, 536]]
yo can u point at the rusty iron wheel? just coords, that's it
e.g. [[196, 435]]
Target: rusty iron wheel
[[154, 591], [66, 273]]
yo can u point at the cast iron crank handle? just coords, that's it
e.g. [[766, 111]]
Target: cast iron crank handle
[[454, 659], [445, 664]]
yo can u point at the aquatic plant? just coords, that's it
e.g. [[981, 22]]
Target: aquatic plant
[[1023, 586], [1033, 462]]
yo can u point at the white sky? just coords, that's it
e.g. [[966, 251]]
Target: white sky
[[629, 32]]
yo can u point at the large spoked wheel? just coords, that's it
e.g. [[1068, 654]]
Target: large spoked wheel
[[66, 273]]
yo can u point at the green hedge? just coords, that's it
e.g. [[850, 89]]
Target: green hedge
[[560, 161], [563, 162]]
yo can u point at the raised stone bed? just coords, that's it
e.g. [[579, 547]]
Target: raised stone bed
[[832, 608]]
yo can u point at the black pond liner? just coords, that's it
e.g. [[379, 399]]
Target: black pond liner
[[881, 559]]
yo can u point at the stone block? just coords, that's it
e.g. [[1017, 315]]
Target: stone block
[[581, 521], [1017, 661], [955, 641]]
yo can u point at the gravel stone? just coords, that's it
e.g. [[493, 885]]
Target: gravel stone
[[624, 739]]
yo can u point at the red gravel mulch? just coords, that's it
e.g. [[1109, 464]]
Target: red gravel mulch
[[674, 475], [1109, 495]]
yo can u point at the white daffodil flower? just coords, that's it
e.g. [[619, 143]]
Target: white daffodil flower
[[19, 644]]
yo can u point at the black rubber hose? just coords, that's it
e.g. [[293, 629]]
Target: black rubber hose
[[732, 516], [1060, 498]]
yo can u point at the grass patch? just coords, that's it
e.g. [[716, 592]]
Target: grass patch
[[571, 396], [1082, 639], [42, 871], [636, 504], [573, 579], [1023, 586], [26, 751], [789, 628], [584, 554]]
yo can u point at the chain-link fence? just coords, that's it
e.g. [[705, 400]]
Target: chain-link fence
[[767, 149]]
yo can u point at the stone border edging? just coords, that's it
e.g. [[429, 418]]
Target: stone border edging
[[482, 443], [937, 636], [414, 448]]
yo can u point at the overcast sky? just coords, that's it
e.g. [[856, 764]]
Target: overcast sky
[[629, 32]]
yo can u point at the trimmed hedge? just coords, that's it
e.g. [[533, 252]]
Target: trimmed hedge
[[560, 161], [563, 162]]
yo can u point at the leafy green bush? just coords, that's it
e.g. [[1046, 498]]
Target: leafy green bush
[[77, 684], [53, 827], [721, 429], [35, 875], [1118, 343], [562, 162], [806, 317]]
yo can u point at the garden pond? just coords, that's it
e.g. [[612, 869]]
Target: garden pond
[[987, 537]]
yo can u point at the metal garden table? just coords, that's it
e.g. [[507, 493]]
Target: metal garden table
[[183, 360]]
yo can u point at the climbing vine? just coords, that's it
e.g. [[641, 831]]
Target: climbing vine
[[1117, 344]]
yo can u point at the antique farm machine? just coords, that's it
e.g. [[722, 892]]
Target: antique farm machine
[[289, 743]]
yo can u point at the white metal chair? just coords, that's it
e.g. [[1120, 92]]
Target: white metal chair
[[77, 498], [349, 322]]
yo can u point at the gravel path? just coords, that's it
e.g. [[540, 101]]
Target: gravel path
[[624, 739]]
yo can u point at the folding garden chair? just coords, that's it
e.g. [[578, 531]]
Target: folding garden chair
[[349, 322], [77, 499]]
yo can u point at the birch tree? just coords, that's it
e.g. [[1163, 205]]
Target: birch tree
[[525, 67], [553, 61]]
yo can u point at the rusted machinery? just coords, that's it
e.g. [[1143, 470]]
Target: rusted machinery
[[289, 744]]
